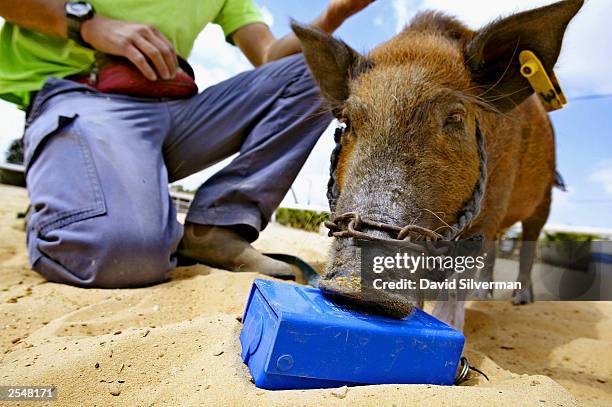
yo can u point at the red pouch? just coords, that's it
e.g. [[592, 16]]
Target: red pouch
[[120, 76]]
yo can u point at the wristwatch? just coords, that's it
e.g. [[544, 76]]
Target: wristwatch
[[78, 12]]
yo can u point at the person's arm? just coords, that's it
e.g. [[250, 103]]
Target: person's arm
[[45, 16], [142, 44], [258, 44]]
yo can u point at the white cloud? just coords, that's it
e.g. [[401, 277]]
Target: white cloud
[[310, 186], [214, 59], [475, 13], [206, 77], [12, 121], [583, 67], [267, 15], [603, 176], [404, 10]]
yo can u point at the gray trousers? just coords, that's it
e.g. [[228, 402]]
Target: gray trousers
[[98, 168]]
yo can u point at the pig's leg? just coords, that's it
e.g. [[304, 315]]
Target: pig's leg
[[524, 295], [486, 275], [451, 311], [490, 265], [532, 227]]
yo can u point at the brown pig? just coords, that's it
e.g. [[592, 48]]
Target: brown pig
[[410, 155]]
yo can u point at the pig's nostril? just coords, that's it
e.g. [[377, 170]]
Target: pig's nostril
[[345, 286]]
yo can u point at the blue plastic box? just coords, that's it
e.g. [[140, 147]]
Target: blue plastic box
[[295, 338]]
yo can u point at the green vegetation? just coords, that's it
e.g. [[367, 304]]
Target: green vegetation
[[181, 189], [14, 155], [301, 219], [566, 236], [569, 250]]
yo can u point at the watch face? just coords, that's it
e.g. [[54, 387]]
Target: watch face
[[79, 9]]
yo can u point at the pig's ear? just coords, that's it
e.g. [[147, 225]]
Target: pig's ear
[[331, 62], [493, 54]]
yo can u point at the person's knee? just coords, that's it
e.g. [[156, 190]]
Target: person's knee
[[117, 256], [136, 258]]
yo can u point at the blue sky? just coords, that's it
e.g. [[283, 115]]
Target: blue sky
[[584, 128]]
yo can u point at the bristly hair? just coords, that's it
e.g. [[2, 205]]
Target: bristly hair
[[440, 23]]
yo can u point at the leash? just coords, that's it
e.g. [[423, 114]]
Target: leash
[[309, 273]]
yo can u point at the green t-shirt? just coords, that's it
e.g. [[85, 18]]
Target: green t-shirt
[[28, 58]]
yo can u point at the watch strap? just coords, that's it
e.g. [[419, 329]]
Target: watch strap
[[74, 27]]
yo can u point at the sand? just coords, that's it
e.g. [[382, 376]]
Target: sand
[[177, 343]]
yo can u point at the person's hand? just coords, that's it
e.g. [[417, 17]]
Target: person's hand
[[345, 8], [143, 45], [338, 11]]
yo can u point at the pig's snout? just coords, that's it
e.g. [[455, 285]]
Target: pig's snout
[[342, 283], [348, 291]]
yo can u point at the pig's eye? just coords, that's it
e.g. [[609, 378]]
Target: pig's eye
[[455, 118], [346, 123]]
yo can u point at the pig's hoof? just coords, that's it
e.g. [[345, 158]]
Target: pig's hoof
[[371, 301], [523, 296]]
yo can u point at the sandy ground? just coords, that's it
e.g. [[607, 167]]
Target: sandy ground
[[177, 343]]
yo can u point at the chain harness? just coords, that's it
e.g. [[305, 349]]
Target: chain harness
[[350, 225]]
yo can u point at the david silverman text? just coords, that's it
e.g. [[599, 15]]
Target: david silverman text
[[464, 284]]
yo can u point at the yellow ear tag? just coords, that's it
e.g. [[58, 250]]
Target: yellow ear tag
[[547, 87]]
